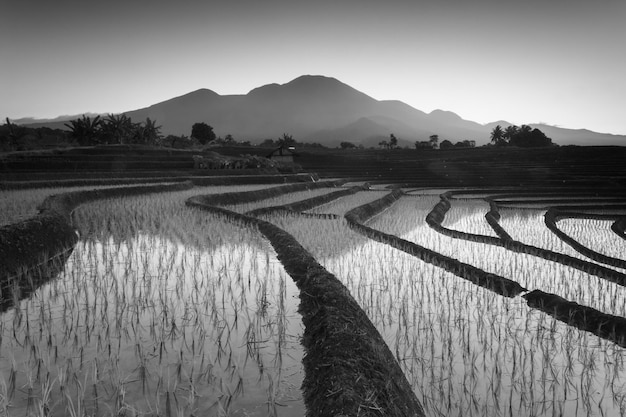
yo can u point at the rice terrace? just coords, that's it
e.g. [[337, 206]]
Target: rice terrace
[[359, 282]]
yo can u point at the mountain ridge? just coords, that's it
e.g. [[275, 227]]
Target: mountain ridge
[[316, 108]]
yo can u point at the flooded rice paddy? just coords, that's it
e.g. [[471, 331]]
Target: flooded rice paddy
[[165, 310]]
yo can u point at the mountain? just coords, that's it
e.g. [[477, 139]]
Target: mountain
[[321, 109]]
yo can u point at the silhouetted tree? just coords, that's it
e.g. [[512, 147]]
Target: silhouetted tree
[[173, 141], [509, 132], [268, 143], [202, 132], [497, 136], [446, 144], [347, 145], [383, 144], [465, 144], [14, 133], [147, 133], [530, 138], [116, 129], [393, 141], [85, 130], [286, 141], [434, 140]]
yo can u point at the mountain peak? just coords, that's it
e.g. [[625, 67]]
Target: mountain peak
[[307, 86], [314, 80], [445, 115], [201, 92]]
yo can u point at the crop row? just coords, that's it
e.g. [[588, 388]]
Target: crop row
[[325, 303], [604, 325], [554, 215], [345, 354], [436, 216], [373, 274], [37, 239], [335, 354]]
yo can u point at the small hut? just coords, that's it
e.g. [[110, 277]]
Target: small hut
[[283, 154]]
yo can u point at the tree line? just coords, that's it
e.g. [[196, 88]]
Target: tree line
[[120, 129], [113, 129], [524, 136]]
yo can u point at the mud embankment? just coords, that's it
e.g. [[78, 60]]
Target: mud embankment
[[551, 218], [242, 197], [358, 216], [349, 369], [438, 213], [585, 318], [113, 178], [493, 219], [309, 203], [619, 227]]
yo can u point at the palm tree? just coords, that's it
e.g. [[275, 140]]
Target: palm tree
[[509, 132], [85, 130], [286, 141], [497, 135], [148, 133], [117, 128], [525, 129]]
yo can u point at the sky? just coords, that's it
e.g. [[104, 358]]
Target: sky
[[559, 62]]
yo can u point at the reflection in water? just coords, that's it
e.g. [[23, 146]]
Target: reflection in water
[[20, 286], [152, 326]]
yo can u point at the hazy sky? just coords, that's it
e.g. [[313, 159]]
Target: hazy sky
[[561, 62]]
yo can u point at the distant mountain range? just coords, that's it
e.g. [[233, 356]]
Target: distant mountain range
[[324, 110]]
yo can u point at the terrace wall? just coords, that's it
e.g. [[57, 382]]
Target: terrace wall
[[349, 369]]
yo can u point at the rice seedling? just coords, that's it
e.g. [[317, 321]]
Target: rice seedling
[[280, 200], [162, 310], [18, 205], [341, 206], [157, 309], [468, 216], [528, 226], [596, 234], [468, 351]]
